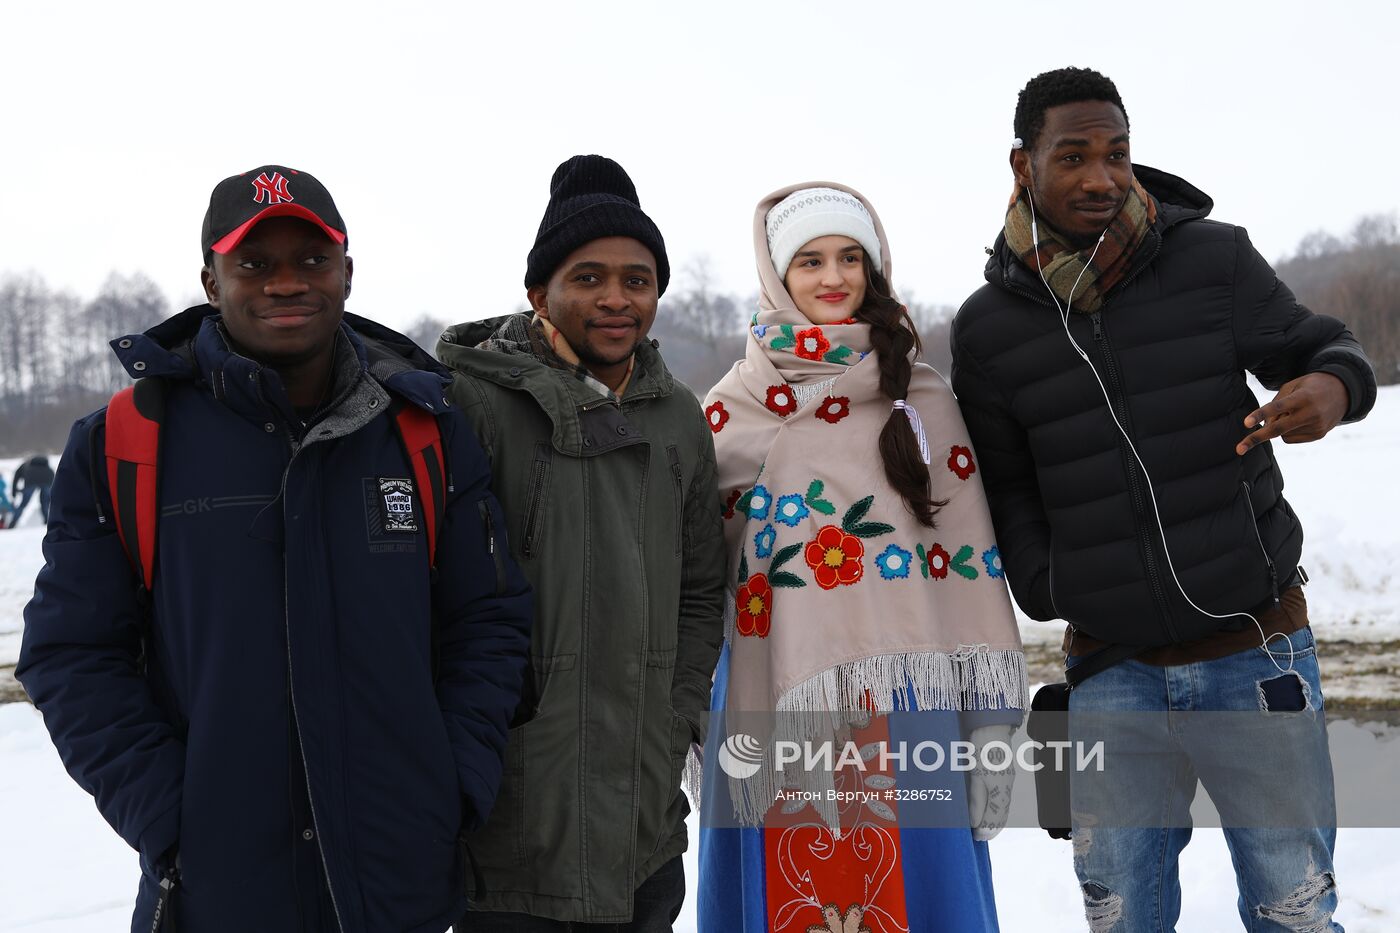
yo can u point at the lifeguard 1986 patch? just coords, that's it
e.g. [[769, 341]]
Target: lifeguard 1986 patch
[[396, 502]]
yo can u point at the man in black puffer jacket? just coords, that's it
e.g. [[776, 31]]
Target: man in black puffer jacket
[[1101, 372]]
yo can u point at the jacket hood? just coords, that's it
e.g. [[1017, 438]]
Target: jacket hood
[[189, 346], [513, 364], [772, 294], [1178, 201]]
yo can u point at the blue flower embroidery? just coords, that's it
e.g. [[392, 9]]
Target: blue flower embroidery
[[760, 329], [791, 510], [893, 563], [992, 558], [759, 502], [763, 542]]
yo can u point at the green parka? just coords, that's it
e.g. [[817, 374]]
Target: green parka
[[614, 515]]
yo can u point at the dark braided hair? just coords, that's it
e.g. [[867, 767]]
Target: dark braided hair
[[892, 335], [1053, 88]]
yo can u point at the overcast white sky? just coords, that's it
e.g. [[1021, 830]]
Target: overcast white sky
[[437, 126]]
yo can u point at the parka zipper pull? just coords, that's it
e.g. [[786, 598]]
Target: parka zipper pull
[[165, 914], [1098, 328]]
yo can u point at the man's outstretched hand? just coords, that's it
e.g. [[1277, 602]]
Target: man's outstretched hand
[[1305, 409]]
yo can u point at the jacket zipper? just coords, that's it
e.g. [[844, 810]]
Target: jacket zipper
[[1139, 517], [489, 524], [1120, 405], [539, 473], [1273, 571], [674, 456], [296, 719]]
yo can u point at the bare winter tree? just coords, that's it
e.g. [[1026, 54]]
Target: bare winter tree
[[701, 328], [425, 332], [933, 322], [124, 305], [1357, 280]]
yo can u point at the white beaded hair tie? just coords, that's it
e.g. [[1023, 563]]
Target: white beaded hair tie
[[917, 424]]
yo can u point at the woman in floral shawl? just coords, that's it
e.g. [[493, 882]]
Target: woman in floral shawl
[[867, 604]]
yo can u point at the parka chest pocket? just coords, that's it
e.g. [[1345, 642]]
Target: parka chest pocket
[[536, 498]]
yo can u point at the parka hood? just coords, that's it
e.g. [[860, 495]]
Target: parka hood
[[189, 345], [512, 363]]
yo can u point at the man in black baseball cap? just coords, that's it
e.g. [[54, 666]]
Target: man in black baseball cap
[[605, 467], [289, 322], [289, 712]]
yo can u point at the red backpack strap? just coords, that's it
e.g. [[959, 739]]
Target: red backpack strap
[[134, 417], [422, 441]]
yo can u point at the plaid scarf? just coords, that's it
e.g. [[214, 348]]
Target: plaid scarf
[[1063, 266]]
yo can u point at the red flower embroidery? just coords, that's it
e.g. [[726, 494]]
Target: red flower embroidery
[[717, 416], [834, 408], [938, 562], [960, 462], [780, 400], [811, 344], [834, 557], [753, 607], [732, 501]]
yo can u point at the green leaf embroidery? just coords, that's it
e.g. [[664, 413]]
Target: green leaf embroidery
[[959, 563], [783, 556], [870, 529], [782, 343], [838, 355], [784, 578], [788, 332], [815, 501], [923, 560], [743, 568], [855, 513], [742, 505]]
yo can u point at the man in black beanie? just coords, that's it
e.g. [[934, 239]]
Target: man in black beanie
[[605, 468]]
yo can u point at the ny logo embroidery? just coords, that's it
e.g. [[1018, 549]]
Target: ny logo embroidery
[[270, 190]]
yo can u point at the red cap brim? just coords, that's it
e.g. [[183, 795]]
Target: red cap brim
[[236, 235]]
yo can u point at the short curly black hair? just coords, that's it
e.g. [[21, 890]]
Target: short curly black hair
[[1053, 88]]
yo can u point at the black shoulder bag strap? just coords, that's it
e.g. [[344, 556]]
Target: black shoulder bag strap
[[1049, 722]]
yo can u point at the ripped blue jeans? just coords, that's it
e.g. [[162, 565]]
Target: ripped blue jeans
[[1127, 863]]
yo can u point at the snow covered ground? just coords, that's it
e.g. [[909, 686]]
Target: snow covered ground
[[62, 870]]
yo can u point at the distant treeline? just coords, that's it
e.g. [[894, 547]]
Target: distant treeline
[[56, 365]]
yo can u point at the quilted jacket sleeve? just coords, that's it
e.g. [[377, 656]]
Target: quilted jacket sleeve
[[1009, 477], [1279, 339], [484, 611], [79, 663]]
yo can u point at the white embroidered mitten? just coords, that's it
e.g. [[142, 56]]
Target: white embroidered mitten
[[989, 791]]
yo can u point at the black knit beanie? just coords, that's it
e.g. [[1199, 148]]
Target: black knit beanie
[[591, 197]]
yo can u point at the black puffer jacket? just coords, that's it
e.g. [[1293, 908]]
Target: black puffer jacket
[[1074, 513]]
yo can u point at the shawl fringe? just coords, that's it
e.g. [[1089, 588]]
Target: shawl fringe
[[976, 677]]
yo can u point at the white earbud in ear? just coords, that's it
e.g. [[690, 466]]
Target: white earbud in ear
[[1017, 143]]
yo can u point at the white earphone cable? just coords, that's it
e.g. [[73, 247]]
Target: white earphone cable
[[1151, 489]]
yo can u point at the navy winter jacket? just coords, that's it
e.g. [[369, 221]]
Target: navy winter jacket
[[1074, 513], [285, 728]]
